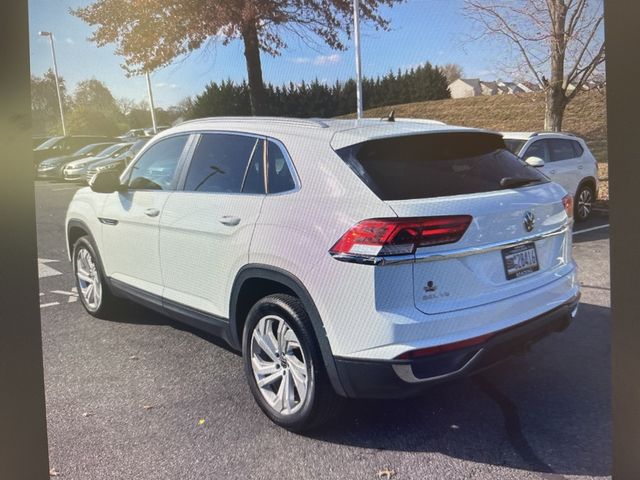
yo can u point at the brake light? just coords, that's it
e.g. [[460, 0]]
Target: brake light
[[567, 201], [400, 236]]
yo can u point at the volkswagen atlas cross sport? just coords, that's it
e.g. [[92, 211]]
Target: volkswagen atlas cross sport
[[343, 258]]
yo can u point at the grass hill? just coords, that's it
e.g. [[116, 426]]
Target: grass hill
[[585, 116]]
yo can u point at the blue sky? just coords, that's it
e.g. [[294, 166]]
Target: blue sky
[[421, 30]]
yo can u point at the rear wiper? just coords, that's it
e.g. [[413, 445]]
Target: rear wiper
[[513, 182]]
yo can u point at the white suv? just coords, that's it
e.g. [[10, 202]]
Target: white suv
[[343, 258], [565, 159]]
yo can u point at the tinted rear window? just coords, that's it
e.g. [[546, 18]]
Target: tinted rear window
[[436, 165]]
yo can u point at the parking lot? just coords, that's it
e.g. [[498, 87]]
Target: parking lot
[[142, 397]]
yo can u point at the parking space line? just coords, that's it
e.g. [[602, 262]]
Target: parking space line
[[591, 229], [51, 304]]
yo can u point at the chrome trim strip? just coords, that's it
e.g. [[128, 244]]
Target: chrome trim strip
[[449, 254]]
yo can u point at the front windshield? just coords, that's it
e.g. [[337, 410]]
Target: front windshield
[[112, 149], [49, 143], [93, 148], [514, 145]]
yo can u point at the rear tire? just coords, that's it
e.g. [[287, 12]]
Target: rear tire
[[583, 203], [284, 366], [91, 284]]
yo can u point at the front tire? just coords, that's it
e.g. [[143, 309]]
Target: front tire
[[584, 203], [93, 290], [284, 367]]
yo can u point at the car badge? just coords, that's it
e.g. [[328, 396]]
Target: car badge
[[529, 221]]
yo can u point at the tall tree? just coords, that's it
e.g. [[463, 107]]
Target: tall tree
[[95, 110], [452, 71], [45, 111], [559, 43], [150, 34]]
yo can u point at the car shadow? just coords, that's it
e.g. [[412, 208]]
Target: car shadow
[[592, 236], [547, 411], [129, 312]]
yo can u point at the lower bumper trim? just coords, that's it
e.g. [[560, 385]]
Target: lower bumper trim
[[404, 378]]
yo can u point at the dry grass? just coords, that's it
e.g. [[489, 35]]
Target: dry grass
[[585, 116]]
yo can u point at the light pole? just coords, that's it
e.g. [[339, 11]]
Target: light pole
[[356, 35], [55, 72], [153, 108]]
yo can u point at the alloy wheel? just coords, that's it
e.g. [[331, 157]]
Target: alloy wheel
[[279, 365], [585, 203], [88, 279]]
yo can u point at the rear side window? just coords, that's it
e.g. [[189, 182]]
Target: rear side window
[[436, 165], [560, 149], [577, 148], [220, 162], [280, 178]]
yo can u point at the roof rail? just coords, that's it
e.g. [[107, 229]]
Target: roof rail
[[303, 122], [542, 132], [420, 120]]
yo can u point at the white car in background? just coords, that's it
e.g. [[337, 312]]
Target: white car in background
[[343, 258], [565, 159]]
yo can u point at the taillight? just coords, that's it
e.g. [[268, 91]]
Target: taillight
[[567, 201], [400, 236]]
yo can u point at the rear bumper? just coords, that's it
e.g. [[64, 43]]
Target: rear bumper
[[404, 378]]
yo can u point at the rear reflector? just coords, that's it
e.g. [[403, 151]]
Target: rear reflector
[[425, 352], [400, 236]]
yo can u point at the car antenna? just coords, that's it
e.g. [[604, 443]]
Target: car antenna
[[390, 118]]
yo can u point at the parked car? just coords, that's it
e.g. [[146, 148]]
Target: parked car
[[565, 159], [59, 146], [77, 170], [39, 140], [117, 163], [361, 259], [133, 134], [51, 168], [160, 128]]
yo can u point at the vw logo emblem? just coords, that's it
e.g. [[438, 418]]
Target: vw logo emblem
[[529, 221]]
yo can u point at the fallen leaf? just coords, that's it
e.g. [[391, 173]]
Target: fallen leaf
[[147, 407], [87, 414], [201, 421], [133, 357], [53, 472], [386, 473]]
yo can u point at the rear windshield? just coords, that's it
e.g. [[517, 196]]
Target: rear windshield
[[438, 165]]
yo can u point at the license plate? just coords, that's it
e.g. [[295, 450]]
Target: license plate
[[520, 260]]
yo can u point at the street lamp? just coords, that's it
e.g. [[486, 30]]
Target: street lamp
[[356, 36], [153, 109], [55, 71]]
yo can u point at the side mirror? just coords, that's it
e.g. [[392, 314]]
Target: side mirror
[[535, 162], [106, 182]]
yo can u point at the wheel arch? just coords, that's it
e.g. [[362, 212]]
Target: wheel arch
[[591, 181], [255, 281]]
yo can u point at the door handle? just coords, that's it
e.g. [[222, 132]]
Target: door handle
[[152, 212], [580, 167], [552, 172], [230, 221]]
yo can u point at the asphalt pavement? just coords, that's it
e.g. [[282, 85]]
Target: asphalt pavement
[[139, 396]]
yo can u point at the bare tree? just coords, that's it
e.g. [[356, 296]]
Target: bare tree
[[559, 43], [452, 71]]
